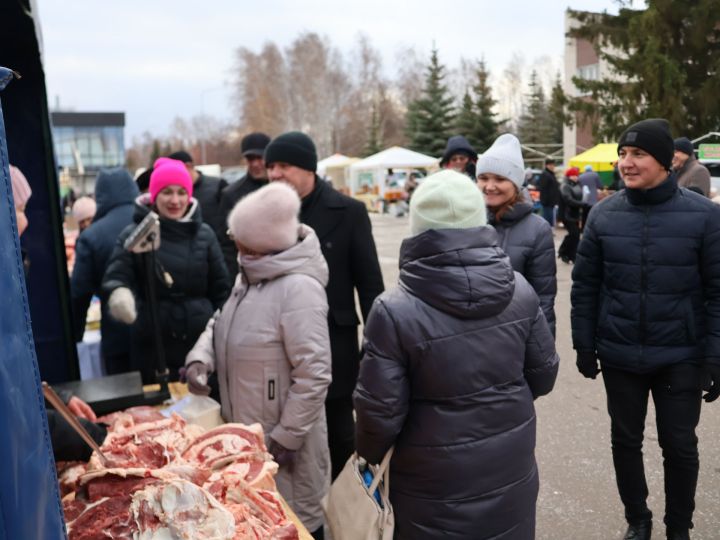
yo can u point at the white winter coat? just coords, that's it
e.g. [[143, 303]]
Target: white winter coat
[[270, 346]]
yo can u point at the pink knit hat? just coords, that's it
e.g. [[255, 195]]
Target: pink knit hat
[[20, 187], [169, 172], [84, 208], [266, 221]]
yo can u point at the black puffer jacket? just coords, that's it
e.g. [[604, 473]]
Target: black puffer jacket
[[189, 252], [572, 200], [549, 188], [646, 282], [528, 241], [453, 360]]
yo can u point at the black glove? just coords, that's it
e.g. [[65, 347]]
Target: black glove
[[284, 457], [587, 364], [711, 382]]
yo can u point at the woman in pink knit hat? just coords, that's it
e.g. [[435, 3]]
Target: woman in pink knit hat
[[21, 195], [191, 280]]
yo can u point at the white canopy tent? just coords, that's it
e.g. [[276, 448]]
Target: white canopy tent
[[336, 168], [394, 157]]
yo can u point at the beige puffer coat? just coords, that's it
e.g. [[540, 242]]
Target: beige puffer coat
[[270, 346]]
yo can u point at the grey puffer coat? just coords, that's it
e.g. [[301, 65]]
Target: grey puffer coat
[[453, 360], [528, 240], [270, 346]]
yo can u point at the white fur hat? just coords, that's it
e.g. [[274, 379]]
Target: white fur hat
[[503, 158], [266, 221]]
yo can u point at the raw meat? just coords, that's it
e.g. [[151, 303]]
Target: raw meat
[[68, 473], [132, 416], [180, 509], [226, 441], [148, 444]]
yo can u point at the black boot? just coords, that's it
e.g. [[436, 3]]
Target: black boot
[[640, 531], [678, 534]]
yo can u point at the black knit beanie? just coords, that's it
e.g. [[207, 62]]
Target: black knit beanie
[[685, 145], [293, 148], [653, 136]]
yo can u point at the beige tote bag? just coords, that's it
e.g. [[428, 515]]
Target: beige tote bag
[[352, 512]]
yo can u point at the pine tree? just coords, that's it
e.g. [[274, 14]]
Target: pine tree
[[557, 112], [467, 118], [430, 118], [533, 127], [486, 126], [665, 62]]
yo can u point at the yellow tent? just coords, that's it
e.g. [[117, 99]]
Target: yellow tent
[[601, 157]]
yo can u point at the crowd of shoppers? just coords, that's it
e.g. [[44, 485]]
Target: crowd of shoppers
[[258, 281]]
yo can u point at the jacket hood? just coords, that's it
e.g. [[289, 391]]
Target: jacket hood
[[114, 187], [143, 207], [458, 145], [305, 257], [461, 272], [514, 214]]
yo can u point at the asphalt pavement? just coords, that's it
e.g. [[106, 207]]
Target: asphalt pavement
[[578, 496]]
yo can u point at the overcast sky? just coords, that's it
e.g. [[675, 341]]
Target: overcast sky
[[157, 59]]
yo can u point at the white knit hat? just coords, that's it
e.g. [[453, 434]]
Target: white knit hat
[[447, 200], [266, 221], [503, 158]]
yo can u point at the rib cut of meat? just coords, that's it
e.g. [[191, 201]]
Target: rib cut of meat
[[226, 441]]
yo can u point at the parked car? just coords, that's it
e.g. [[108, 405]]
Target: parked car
[[233, 174]]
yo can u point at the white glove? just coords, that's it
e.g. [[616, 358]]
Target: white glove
[[122, 305]]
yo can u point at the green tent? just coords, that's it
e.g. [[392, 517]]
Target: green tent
[[601, 157]]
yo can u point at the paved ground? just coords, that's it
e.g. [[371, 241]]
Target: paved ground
[[578, 497]]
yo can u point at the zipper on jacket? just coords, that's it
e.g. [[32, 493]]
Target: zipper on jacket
[[643, 278]]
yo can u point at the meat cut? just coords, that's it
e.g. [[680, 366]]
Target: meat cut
[[170, 480]]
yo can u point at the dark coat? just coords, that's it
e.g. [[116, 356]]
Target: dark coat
[[189, 252], [572, 200], [549, 188], [228, 199], [207, 191], [453, 360], [115, 192], [343, 228], [528, 241], [646, 281]]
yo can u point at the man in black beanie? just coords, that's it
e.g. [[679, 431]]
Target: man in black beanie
[[343, 228], [690, 172], [252, 147], [646, 305]]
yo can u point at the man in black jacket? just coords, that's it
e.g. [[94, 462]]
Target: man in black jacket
[[343, 228], [549, 191], [252, 147], [646, 304], [207, 190]]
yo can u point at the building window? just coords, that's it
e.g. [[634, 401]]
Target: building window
[[591, 72]]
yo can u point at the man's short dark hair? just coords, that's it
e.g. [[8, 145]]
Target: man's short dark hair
[[549, 161], [181, 155]]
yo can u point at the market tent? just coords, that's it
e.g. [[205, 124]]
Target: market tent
[[336, 169], [601, 158], [394, 157]]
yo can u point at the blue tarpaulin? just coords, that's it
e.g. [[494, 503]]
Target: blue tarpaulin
[[29, 498]]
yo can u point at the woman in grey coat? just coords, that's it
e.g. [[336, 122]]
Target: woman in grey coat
[[454, 358], [524, 236], [270, 347]]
